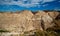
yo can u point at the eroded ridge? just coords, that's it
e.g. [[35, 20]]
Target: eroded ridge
[[26, 21]]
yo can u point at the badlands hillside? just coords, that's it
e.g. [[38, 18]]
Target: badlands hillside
[[27, 21]]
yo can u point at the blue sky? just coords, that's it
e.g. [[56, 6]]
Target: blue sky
[[17, 5]]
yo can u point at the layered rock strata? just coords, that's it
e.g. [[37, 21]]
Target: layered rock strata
[[27, 21]]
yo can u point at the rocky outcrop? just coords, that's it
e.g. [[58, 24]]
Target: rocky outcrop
[[53, 14], [47, 18], [27, 21], [16, 22]]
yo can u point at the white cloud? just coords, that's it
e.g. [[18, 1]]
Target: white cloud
[[45, 5], [48, 0], [24, 3]]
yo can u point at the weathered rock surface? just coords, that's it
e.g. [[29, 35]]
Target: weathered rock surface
[[53, 14], [16, 22], [47, 18], [26, 21]]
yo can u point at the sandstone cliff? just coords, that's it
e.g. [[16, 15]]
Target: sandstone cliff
[[27, 21]]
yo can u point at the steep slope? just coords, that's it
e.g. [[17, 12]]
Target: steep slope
[[16, 22], [27, 21]]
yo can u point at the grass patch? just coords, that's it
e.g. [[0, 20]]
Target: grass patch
[[3, 30]]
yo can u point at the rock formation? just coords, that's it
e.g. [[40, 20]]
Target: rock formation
[[26, 21]]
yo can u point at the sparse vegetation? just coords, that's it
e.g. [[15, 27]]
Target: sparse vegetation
[[43, 33], [3, 30]]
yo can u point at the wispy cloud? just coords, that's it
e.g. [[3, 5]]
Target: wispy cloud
[[24, 3], [47, 1], [57, 9]]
